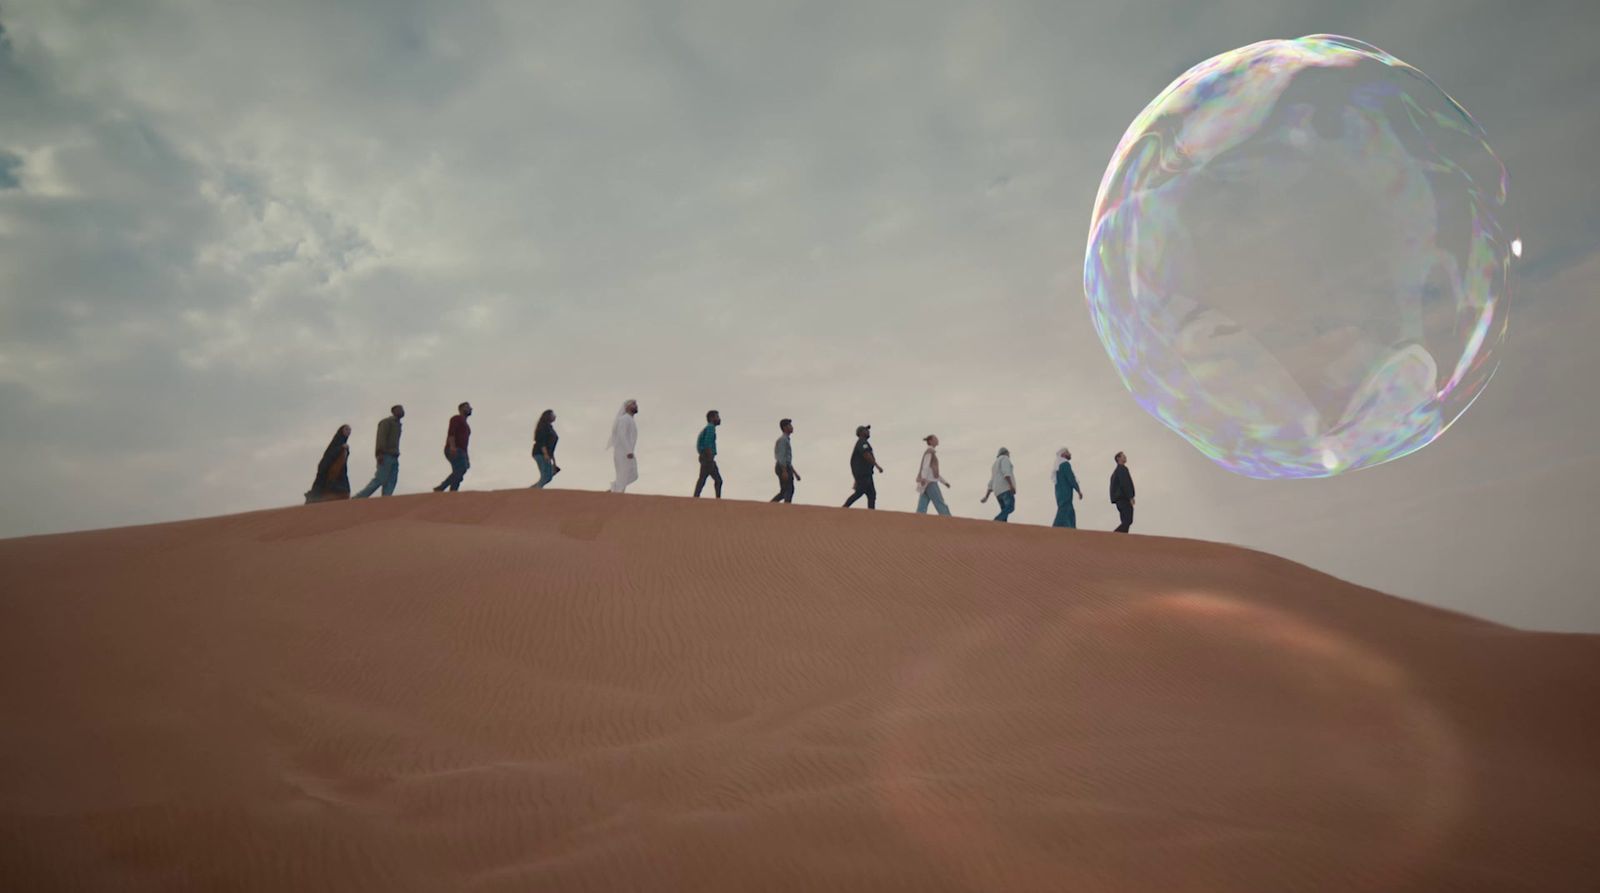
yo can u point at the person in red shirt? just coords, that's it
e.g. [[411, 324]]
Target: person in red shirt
[[455, 449]]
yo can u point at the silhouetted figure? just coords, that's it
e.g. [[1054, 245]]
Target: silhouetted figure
[[929, 480], [706, 446], [544, 448], [333, 472], [455, 449], [1066, 484], [1122, 492], [862, 465], [387, 451], [783, 463], [624, 438], [1003, 484]]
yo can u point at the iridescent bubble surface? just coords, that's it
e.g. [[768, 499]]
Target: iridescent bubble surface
[[1295, 261]]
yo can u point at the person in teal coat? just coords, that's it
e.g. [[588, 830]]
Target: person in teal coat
[[1066, 484]]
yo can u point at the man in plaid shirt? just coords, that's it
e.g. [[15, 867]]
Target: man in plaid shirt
[[706, 446]]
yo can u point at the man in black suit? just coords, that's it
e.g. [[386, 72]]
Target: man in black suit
[[1122, 492]]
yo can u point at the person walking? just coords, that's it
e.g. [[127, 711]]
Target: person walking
[[929, 480], [624, 438], [387, 451], [783, 463], [455, 449], [862, 464], [1122, 492], [1066, 484], [333, 472], [706, 446], [544, 448], [1003, 485]]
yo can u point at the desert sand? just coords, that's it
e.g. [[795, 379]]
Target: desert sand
[[578, 691]]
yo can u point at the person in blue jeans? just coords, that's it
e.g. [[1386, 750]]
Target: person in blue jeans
[[387, 452], [929, 480], [544, 448], [1003, 484], [455, 449]]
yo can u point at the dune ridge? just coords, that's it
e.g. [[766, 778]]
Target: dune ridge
[[557, 690]]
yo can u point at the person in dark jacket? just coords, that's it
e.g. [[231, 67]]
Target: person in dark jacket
[[333, 472], [544, 448], [1122, 492], [862, 464]]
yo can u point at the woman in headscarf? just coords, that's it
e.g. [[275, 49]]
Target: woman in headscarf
[[333, 477], [544, 447], [624, 438], [1066, 483]]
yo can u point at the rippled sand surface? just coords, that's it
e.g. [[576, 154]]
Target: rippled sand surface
[[576, 691]]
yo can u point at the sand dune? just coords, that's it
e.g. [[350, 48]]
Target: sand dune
[[570, 691]]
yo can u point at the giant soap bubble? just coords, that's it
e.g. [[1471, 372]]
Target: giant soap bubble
[[1294, 259]]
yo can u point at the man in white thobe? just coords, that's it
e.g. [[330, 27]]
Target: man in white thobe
[[624, 437]]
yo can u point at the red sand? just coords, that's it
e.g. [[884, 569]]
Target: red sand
[[571, 691]]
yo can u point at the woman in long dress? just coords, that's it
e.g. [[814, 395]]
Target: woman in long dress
[[333, 474], [1066, 484]]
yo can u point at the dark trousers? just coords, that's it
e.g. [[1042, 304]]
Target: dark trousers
[[708, 469], [1125, 511], [785, 484], [864, 487]]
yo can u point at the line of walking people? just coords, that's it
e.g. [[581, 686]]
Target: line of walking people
[[332, 476]]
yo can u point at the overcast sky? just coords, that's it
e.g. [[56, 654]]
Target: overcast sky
[[226, 228]]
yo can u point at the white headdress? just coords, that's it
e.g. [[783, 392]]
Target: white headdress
[[616, 423]]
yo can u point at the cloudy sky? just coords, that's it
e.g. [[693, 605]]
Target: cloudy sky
[[225, 228]]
